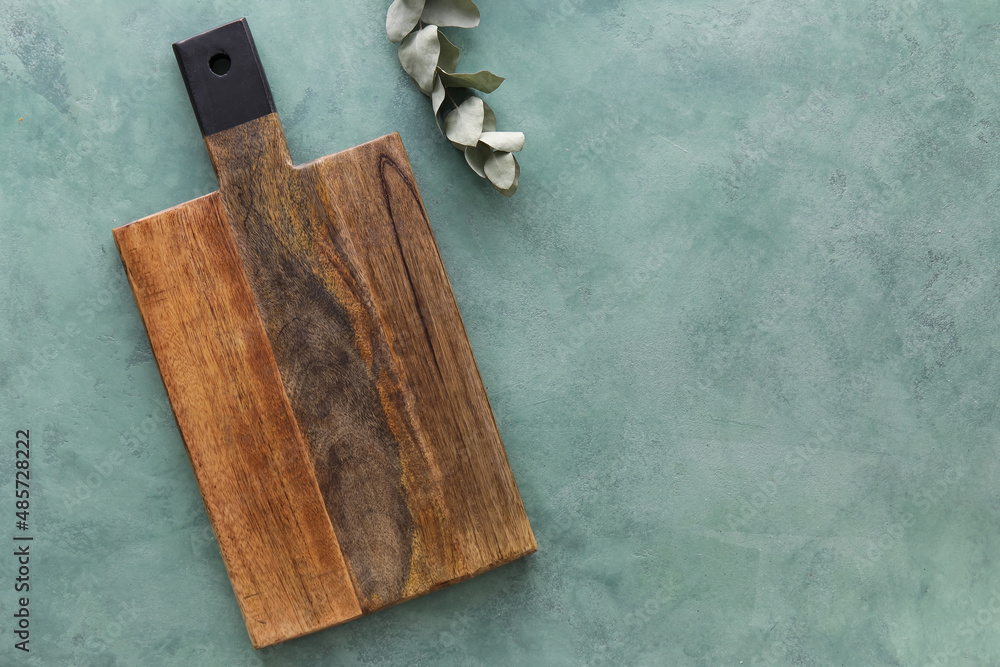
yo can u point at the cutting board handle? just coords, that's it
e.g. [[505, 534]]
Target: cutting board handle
[[232, 102], [224, 77]]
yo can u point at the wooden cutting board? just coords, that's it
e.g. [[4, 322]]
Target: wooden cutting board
[[318, 368]]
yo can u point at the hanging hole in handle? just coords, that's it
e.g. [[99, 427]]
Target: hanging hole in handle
[[219, 64]]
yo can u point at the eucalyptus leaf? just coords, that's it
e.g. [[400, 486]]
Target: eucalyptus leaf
[[501, 169], [457, 13], [448, 60], [437, 99], [503, 141], [402, 17], [418, 54], [476, 157], [430, 59], [464, 125], [513, 186], [489, 118], [482, 80]]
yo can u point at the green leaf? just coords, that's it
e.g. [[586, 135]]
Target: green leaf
[[402, 17], [476, 157], [464, 125], [430, 59], [448, 60], [418, 54], [513, 186], [457, 13], [501, 169], [503, 141], [437, 98], [482, 80], [489, 118]]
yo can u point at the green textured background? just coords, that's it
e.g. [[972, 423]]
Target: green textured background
[[738, 326]]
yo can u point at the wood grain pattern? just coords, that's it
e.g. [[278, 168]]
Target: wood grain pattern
[[359, 320], [456, 442], [249, 457]]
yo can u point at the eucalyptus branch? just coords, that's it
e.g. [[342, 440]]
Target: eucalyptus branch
[[431, 59]]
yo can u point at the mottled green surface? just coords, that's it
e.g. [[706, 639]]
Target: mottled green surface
[[738, 325]]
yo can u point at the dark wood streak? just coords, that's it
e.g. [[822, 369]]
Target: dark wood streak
[[383, 160], [331, 388]]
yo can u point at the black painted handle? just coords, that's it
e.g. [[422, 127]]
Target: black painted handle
[[224, 77]]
